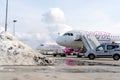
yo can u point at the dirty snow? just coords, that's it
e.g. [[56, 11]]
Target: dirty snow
[[14, 52]]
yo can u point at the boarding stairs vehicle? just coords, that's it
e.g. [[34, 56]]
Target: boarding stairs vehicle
[[90, 43]]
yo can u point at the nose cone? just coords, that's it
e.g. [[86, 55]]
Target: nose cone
[[63, 41], [59, 41]]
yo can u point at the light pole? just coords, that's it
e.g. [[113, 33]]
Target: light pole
[[6, 15], [14, 21]]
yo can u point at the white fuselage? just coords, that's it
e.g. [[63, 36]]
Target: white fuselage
[[69, 38]]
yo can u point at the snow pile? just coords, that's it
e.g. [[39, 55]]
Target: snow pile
[[14, 52]]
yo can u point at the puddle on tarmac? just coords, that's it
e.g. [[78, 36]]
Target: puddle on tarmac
[[63, 62], [76, 70], [70, 62], [65, 70]]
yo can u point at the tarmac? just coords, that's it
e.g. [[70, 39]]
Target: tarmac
[[65, 68]]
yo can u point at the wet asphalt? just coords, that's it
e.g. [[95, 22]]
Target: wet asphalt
[[70, 64]]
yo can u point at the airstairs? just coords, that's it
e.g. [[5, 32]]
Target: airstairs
[[90, 42]]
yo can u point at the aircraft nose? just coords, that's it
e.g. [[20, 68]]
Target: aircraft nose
[[59, 41]]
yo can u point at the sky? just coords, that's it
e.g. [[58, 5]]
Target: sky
[[40, 21]]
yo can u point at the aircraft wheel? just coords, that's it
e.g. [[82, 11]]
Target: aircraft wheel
[[54, 55], [63, 55], [79, 56]]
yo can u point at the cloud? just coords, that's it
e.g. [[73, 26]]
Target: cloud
[[53, 23], [34, 39], [54, 20], [33, 36], [96, 20], [2, 28], [54, 15], [59, 28]]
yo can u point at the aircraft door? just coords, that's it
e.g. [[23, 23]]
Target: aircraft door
[[78, 38]]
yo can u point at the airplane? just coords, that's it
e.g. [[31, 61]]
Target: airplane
[[52, 48], [72, 39], [49, 48]]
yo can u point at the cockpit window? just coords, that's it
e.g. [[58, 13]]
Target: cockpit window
[[68, 34]]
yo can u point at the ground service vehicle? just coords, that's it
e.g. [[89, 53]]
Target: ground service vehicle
[[106, 50]]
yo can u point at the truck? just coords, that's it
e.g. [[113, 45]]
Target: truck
[[105, 50], [59, 52]]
